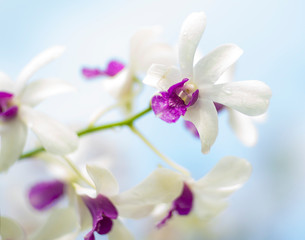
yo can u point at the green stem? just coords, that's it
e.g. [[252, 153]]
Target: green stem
[[156, 151], [126, 122]]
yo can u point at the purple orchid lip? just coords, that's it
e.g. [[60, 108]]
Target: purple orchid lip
[[45, 194], [7, 111], [113, 68], [173, 103], [182, 205], [103, 212]]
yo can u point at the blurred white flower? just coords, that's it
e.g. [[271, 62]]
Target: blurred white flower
[[194, 96], [17, 100], [203, 199]]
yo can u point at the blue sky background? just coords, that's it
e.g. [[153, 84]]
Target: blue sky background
[[271, 33]]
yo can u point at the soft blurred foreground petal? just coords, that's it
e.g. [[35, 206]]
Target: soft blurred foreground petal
[[203, 115], [191, 32], [37, 62], [250, 97], [6, 84], [162, 77], [243, 127], [105, 182], [55, 137], [9, 229], [229, 174], [13, 138], [119, 232], [37, 91], [59, 223], [161, 186], [212, 66]]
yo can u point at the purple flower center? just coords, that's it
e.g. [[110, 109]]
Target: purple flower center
[[113, 68], [182, 205], [7, 110], [102, 211], [170, 105], [45, 194]]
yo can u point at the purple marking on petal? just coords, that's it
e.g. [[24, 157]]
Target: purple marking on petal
[[5, 95], [113, 68], [102, 211], [45, 194], [92, 73], [191, 127], [9, 113], [182, 205], [219, 107], [194, 98], [173, 103]]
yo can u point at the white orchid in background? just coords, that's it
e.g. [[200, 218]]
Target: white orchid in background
[[195, 95], [144, 51], [206, 197], [17, 100]]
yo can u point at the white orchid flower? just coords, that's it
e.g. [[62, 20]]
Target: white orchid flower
[[144, 51], [206, 197], [106, 205], [195, 95], [17, 100]]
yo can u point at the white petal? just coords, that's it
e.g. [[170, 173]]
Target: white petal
[[203, 115], [6, 84], [162, 77], [59, 223], [156, 53], [162, 186], [213, 65], [139, 43], [55, 137], [250, 97], [9, 229], [228, 75], [119, 232], [13, 139], [206, 208], [191, 32], [119, 86], [37, 62], [243, 127], [105, 182], [37, 91], [229, 174]]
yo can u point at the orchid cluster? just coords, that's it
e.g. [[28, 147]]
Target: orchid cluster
[[84, 199]]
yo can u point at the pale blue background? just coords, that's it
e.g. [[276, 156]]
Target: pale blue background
[[271, 205]]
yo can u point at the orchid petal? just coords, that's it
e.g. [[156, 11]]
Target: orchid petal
[[9, 229], [228, 75], [37, 91], [243, 127], [60, 222], [191, 32], [162, 77], [120, 85], [161, 186], [55, 137], [37, 62], [212, 66], [13, 139], [105, 182], [119, 232], [250, 97], [139, 42], [157, 53], [203, 115], [229, 174], [6, 84]]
